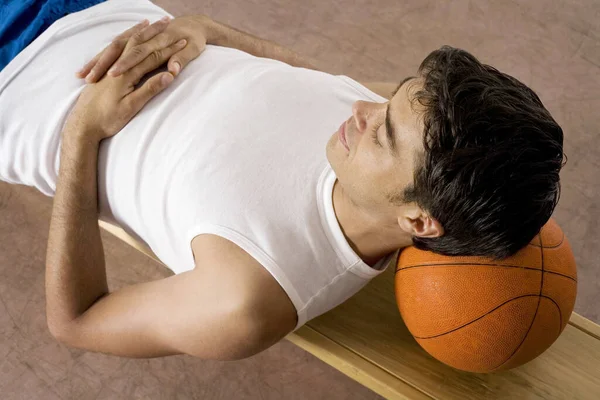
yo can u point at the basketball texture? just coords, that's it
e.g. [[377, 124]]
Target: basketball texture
[[482, 316]]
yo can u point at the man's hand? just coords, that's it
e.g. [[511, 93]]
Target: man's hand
[[144, 40], [104, 108]]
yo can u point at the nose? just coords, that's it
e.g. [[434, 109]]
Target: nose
[[361, 110]]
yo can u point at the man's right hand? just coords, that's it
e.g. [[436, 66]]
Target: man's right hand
[[146, 40]]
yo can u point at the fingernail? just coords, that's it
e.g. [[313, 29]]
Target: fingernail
[[89, 76], [177, 67], [144, 22], [182, 42], [167, 78], [165, 18], [112, 71]]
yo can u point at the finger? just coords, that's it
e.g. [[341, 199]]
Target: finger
[[153, 61], [153, 86], [179, 60], [83, 72], [150, 31], [107, 58], [139, 48], [131, 31]]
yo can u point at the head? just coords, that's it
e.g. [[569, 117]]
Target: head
[[474, 167]]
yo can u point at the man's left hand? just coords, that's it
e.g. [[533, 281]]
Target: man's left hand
[[105, 107]]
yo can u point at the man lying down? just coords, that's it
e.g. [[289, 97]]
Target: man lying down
[[272, 190]]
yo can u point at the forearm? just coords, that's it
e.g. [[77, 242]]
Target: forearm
[[220, 34], [75, 267]]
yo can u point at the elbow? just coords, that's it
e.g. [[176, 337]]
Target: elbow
[[60, 332], [57, 333]]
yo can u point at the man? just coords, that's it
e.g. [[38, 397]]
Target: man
[[222, 173]]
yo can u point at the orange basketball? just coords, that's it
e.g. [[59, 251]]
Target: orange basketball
[[482, 316]]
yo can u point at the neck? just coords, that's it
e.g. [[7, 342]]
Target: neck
[[369, 237]]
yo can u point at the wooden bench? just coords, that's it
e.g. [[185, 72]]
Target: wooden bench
[[366, 339]]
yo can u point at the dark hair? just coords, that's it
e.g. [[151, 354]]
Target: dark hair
[[490, 170]]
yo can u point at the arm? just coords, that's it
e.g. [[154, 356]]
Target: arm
[[220, 34], [223, 35], [196, 312], [74, 238], [198, 30]]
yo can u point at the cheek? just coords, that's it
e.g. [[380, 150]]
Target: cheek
[[368, 155], [368, 177]]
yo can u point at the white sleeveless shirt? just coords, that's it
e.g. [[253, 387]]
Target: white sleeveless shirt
[[235, 147]]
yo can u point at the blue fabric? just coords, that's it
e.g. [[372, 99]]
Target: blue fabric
[[21, 21]]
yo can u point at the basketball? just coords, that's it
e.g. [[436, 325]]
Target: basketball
[[478, 315]]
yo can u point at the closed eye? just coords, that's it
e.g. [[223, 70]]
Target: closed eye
[[375, 138]]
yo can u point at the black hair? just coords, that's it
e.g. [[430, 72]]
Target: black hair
[[490, 170]]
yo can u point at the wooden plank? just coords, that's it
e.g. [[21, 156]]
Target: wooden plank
[[124, 236], [366, 339], [363, 371], [585, 325], [369, 323]]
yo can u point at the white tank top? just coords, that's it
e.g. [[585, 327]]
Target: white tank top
[[235, 146]]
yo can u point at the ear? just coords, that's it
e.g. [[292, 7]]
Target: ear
[[421, 224]]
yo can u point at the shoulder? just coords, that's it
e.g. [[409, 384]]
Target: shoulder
[[262, 295]]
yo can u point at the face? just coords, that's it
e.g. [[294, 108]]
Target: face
[[371, 168]]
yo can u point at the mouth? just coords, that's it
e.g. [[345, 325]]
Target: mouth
[[342, 136]]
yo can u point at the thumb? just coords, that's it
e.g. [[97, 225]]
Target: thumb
[[179, 60]]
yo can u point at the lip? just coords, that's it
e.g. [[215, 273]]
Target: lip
[[342, 136]]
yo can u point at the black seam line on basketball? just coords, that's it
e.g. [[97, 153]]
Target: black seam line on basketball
[[483, 265], [558, 308], [562, 239], [559, 328], [476, 319], [507, 301], [534, 314]]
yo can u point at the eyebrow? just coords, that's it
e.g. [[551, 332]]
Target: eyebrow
[[390, 129]]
